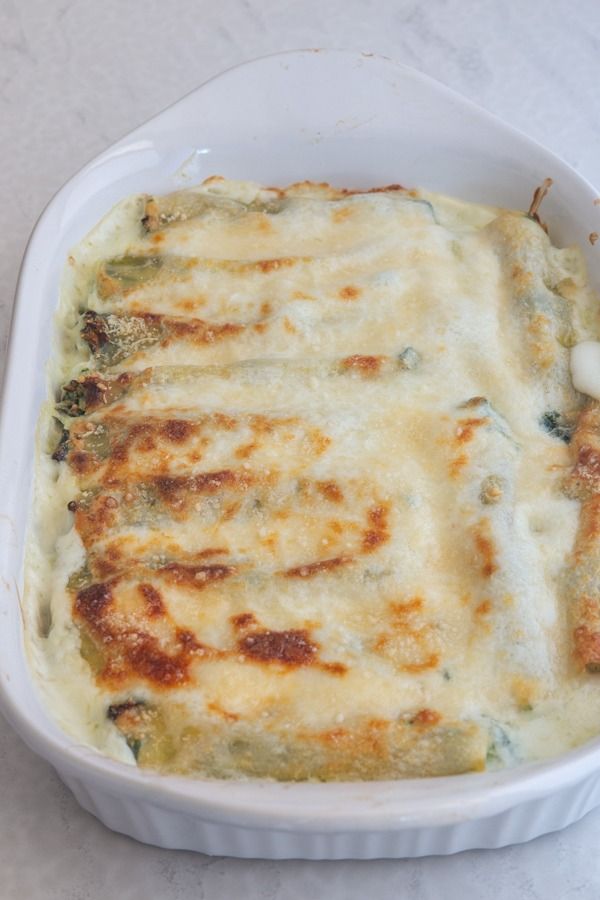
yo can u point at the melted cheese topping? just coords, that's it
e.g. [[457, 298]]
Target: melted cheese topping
[[305, 515]]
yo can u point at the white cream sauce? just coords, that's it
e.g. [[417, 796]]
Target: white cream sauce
[[460, 310], [585, 368]]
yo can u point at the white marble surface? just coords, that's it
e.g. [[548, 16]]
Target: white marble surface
[[77, 74]]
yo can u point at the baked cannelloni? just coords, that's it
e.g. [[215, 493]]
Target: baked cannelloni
[[316, 497]]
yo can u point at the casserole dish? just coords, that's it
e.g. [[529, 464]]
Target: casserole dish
[[350, 119]]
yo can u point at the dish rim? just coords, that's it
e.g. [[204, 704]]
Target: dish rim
[[298, 806]]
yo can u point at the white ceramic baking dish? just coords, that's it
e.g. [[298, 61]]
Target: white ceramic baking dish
[[355, 120]]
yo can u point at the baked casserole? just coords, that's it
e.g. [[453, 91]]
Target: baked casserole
[[316, 497]]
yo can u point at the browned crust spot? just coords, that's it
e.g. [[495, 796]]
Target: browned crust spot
[[464, 433], [309, 570], [215, 707], [272, 265], [349, 292], [465, 429], [374, 190], [246, 450], [586, 472], [370, 741], [334, 668], [457, 464], [82, 463], [152, 597], [483, 608], [587, 647], [331, 491], [196, 577], [289, 648], [365, 365], [93, 520], [386, 188], [430, 662], [146, 658], [377, 533], [212, 551], [170, 488], [107, 564], [306, 183], [426, 718], [92, 603], [243, 620], [189, 304], [292, 648], [197, 331], [485, 548], [178, 431]]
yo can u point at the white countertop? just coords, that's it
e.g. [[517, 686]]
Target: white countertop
[[77, 74]]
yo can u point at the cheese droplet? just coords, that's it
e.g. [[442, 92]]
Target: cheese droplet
[[585, 368]]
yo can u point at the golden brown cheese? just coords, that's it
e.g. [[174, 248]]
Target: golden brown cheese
[[309, 517]]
